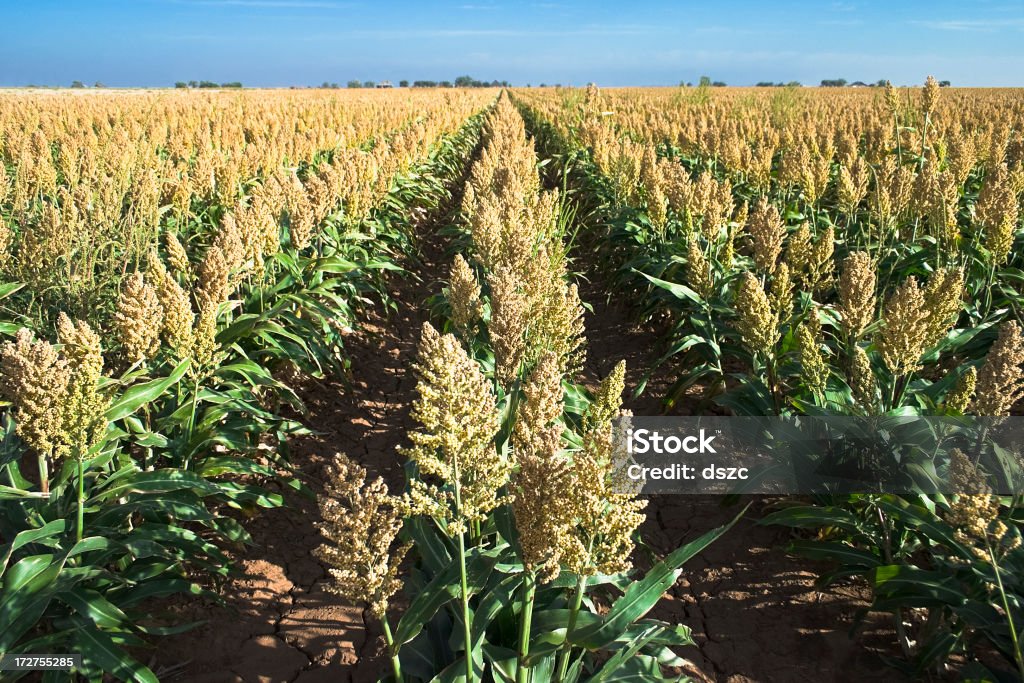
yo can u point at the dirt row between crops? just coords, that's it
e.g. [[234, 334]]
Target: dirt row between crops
[[280, 623], [754, 610]]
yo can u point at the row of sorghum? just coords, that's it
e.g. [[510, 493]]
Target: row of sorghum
[[97, 182]]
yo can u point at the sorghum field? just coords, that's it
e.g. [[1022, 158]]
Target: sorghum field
[[318, 385]]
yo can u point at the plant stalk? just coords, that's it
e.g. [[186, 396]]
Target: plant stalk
[[80, 528], [901, 632], [389, 640], [467, 636], [1017, 653], [44, 474], [574, 610], [525, 620]]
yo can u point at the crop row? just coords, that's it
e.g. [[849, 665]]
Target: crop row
[[512, 579], [160, 408], [834, 255]]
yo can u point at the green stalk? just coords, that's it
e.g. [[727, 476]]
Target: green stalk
[[396, 665], [467, 636], [574, 610], [529, 592], [192, 422], [80, 528], [901, 633], [1018, 655], [44, 474]]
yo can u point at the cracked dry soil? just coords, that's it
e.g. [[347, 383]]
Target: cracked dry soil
[[755, 611]]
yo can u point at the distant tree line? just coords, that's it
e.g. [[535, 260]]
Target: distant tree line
[[842, 82], [780, 84], [460, 82], [207, 84], [704, 82]]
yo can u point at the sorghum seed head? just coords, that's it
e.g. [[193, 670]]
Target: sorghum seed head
[[960, 396], [1001, 378], [464, 295], [904, 332], [176, 254], [857, 293], [138, 318], [360, 524], [458, 418], [756, 320]]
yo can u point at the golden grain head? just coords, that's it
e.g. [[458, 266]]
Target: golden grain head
[[814, 368], [857, 293], [458, 419], [767, 231], [464, 296], [1001, 378], [360, 524], [138, 319], [962, 393], [904, 333], [756, 321], [35, 380]]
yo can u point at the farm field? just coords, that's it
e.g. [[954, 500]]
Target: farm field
[[308, 385]]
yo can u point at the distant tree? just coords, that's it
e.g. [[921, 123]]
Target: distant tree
[[231, 84], [794, 84], [705, 81], [325, 85], [369, 84], [193, 84], [334, 85], [765, 84], [718, 84], [445, 84], [944, 84], [880, 83], [355, 84], [465, 82], [98, 84], [77, 84], [208, 84], [833, 83], [180, 84], [403, 84]]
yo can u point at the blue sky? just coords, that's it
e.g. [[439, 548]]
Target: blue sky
[[304, 42]]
